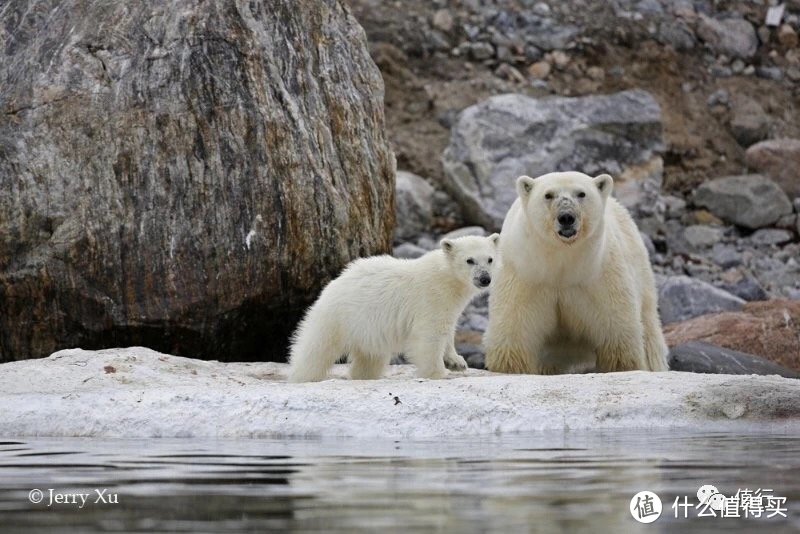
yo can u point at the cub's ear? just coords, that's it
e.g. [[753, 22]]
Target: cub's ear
[[524, 186], [495, 238], [448, 246], [605, 184]]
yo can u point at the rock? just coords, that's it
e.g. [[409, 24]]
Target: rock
[[750, 123], [701, 236], [414, 206], [745, 287], [183, 175], [539, 70], [596, 73], [770, 329], [770, 236], [677, 34], [506, 136], [697, 357], [681, 298], [752, 200], [725, 256], [778, 159], [469, 344], [674, 207], [443, 20], [649, 245], [480, 51], [720, 97], [408, 251], [787, 36], [731, 36], [158, 395], [769, 73], [465, 231]]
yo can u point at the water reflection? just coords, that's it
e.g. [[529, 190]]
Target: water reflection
[[554, 482]]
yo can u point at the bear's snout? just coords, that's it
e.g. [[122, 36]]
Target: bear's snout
[[483, 280], [566, 219]]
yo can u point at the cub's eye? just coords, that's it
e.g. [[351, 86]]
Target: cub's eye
[[548, 196], [581, 194], [470, 261], [490, 260]]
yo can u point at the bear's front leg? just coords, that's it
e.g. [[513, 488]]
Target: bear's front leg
[[622, 352], [452, 359], [519, 321], [425, 352]]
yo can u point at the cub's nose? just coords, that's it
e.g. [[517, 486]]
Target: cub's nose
[[566, 219], [485, 280]]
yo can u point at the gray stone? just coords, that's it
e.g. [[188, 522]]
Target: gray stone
[[408, 251], [770, 236], [677, 34], [414, 206], [720, 97], [681, 298], [749, 123], [726, 256], [481, 51], [674, 207], [753, 201], [506, 136], [702, 236], [699, 357], [746, 288], [731, 36], [183, 175], [770, 73], [778, 159]]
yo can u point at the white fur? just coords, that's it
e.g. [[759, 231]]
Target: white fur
[[558, 303], [381, 306]]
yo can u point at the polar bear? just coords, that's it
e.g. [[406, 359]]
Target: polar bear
[[575, 288], [381, 306]]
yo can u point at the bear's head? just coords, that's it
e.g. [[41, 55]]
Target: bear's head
[[565, 207], [473, 259]]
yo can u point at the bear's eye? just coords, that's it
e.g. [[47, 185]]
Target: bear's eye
[[548, 196], [581, 194], [470, 261], [490, 260]]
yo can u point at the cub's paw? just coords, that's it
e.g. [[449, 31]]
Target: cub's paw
[[455, 362]]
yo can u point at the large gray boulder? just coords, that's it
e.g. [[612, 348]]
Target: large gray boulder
[[752, 200], [184, 175], [681, 298], [732, 36], [505, 136], [699, 357], [414, 206]]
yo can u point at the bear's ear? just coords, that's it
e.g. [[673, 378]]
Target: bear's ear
[[448, 246], [495, 238], [604, 183], [524, 186]]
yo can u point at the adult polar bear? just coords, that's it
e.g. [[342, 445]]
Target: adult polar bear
[[575, 285]]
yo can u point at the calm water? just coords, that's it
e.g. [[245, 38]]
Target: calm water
[[555, 482]]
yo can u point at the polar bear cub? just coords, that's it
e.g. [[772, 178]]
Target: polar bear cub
[[381, 306], [575, 288]]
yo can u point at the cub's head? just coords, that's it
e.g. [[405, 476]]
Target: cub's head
[[565, 207], [473, 258]]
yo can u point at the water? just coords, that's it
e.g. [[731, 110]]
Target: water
[[554, 482]]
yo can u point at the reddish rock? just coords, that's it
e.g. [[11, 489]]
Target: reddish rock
[[770, 329], [780, 160]]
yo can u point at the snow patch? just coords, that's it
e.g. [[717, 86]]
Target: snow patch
[[137, 392]]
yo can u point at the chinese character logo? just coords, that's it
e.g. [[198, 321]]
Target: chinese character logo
[[645, 507]]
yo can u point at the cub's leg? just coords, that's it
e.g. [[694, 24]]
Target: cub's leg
[[365, 366], [425, 352], [452, 359]]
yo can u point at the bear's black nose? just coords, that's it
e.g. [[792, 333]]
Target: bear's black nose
[[485, 280], [566, 219]]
